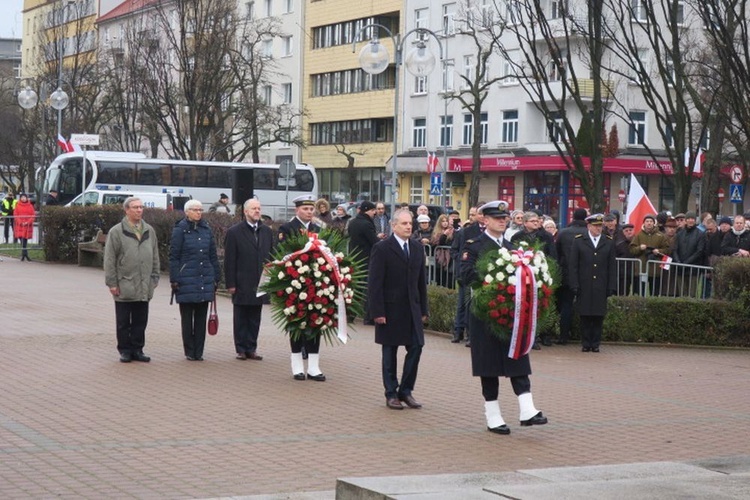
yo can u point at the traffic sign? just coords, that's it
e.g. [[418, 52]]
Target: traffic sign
[[720, 194], [736, 174], [735, 193], [436, 184], [621, 195], [85, 139]]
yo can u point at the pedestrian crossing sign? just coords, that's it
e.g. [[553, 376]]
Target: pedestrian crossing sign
[[735, 193]]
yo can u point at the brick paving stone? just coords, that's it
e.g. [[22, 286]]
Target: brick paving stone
[[74, 422]]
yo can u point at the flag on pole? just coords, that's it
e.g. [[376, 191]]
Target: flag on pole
[[639, 206], [432, 162], [665, 260], [700, 157], [65, 146]]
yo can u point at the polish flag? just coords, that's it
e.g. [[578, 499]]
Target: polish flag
[[665, 260], [639, 205], [432, 163], [700, 157], [65, 146]]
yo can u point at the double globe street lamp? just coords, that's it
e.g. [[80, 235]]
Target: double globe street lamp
[[374, 59], [58, 100]]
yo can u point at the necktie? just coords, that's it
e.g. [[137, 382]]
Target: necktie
[[500, 242], [255, 232], [406, 249]]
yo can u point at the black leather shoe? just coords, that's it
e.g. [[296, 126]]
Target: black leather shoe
[[501, 429], [139, 356], [317, 378], [537, 419], [594, 349], [241, 355], [190, 358], [585, 349], [126, 357], [394, 404], [457, 337], [410, 402], [467, 344], [253, 355], [299, 376]]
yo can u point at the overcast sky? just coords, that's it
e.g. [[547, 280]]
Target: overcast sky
[[10, 18]]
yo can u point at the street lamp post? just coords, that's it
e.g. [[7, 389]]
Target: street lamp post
[[374, 59], [58, 100]]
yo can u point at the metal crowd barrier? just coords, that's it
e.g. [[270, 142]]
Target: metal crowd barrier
[[678, 280], [440, 266]]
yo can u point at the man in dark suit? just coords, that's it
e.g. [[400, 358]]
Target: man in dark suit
[[471, 230], [592, 274], [362, 237], [489, 353], [397, 294], [303, 347], [564, 294], [246, 249]]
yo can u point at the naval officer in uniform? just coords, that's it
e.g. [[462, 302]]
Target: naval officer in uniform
[[489, 354]]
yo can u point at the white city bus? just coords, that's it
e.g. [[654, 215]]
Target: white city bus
[[201, 180]]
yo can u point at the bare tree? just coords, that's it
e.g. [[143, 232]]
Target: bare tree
[[349, 170], [484, 28], [560, 68]]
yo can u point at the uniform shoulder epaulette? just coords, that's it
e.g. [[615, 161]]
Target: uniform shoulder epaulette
[[470, 241], [579, 236], [609, 236]]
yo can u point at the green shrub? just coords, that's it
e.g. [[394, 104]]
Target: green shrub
[[442, 306], [65, 227], [731, 279]]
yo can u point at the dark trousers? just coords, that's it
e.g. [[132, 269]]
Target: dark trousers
[[8, 227], [310, 345], [246, 321], [131, 319], [491, 386], [565, 300], [591, 330], [459, 324], [24, 248], [409, 375], [193, 318]]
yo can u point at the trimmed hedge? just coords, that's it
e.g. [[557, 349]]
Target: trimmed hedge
[[65, 227], [663, 320]]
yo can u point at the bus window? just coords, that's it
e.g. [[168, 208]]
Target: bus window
[[114, 199], [156, 175], [304, 180], [116, 173], [264, 178], [188, 176], [219, 177]]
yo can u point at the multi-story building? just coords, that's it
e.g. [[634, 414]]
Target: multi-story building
[[57, 30], [349, 121], [10, 58]]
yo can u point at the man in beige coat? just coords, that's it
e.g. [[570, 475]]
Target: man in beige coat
[[131, 271]]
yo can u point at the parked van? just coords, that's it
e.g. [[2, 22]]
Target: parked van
[[150, 200]]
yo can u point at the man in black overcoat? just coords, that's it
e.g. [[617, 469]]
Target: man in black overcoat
[[592, 267], [564, 294], [246, 249], [304, 211], [362, 237], [397, 294], [471, 230], [489, 354]]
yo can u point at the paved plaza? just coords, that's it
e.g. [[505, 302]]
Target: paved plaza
[[76, 423]]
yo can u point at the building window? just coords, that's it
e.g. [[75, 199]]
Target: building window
[[510, 127], [420, 84], [670, 69], [446, 131], [267, 48], [267, 8], [467, 131], [639, 65], [448, 75], [286, 44], [557, 9], [420, 21], [669, 130], [511, 11], [556, 127], [637, 131], [680, 13], [288, 6], [419, 133], [266, 96], [484, 126], [557, 67], [250, 10], [638, 11], [287, 89], [469, 71], [415, 189], [449, 23]]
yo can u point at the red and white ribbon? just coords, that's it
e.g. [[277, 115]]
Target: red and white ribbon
[[526, 306], [313, 243]]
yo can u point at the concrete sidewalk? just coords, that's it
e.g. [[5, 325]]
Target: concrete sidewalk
[[74, 422]]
